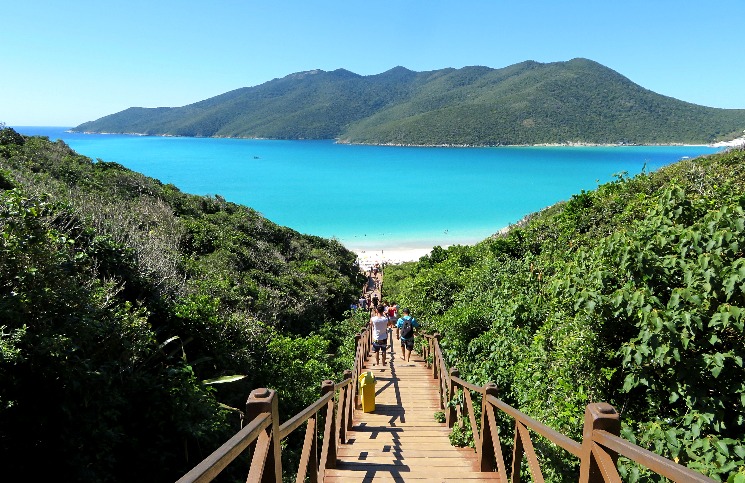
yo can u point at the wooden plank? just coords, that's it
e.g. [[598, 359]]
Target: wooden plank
[[422, 430], [400, 448], [404, 469], [388, 438], [451, 460], [402, 476], [408, 471], [401, 479], [416, 452], [369, 447]]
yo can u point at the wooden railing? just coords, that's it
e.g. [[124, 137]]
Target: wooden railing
[[600, 448], [262, 434]]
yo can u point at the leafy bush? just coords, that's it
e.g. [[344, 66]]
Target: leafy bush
[[630, 294]]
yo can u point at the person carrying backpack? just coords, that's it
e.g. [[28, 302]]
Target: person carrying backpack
[[405, 329]]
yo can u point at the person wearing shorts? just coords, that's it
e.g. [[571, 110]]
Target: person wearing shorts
[[407, 343], [379, 325]]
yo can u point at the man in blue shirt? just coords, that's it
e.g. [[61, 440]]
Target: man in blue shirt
[[405, 328]]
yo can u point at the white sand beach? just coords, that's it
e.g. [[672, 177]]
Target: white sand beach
[[735, 143], [367, 257], [392, 251]]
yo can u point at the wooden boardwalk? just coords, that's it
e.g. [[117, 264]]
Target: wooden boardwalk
[[401, 441]]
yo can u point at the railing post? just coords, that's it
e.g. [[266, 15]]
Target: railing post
[[487, 440], [328, 452], [435, 360], [427, 350], [264, 400], [518, 451], [359, 343], [368, 341], [357, 369], [344, 421], [597, 416], [450, 415]]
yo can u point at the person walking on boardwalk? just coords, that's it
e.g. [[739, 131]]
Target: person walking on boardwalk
[[391, 312], [379, 324], [405, 328]]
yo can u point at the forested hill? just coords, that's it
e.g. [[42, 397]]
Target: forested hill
[[578, 101], [632, 294], [123, 302]]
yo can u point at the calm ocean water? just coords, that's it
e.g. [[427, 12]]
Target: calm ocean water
[[374, 197]]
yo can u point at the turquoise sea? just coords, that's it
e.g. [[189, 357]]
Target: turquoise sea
[[375, 197]]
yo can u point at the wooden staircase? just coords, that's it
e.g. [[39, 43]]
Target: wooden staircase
[[400, 440]]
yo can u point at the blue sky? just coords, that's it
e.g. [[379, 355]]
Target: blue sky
[[65, 63]]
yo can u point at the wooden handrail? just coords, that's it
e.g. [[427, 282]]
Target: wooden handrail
[[662, 466], [598, 452], [211, 466], [549, 433], [297, 420], [343, 383], [467, 385], [263, 433]]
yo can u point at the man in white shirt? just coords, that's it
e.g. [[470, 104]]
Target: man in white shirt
[[379, 324]]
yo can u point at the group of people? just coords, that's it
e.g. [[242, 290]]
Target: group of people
[[369, 299], [384, 317], [381, 320]]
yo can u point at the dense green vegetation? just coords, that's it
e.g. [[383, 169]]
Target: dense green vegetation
[[122, 300], [632, 294], [579, 101]]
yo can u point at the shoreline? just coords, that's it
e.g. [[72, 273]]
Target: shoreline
[[733, 143], [412, 250], [394, 251], [402, 251], [367, 258]]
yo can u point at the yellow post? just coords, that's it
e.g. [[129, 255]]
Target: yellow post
[[367, 391]]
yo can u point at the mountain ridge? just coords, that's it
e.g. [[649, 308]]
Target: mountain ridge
[[575, 101]]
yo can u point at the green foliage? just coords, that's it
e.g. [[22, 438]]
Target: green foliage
[[10, 141], [122, 301], [439, 416], [631, 294], [71, 340], [527, 103], [738, 477], [462, 434]]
